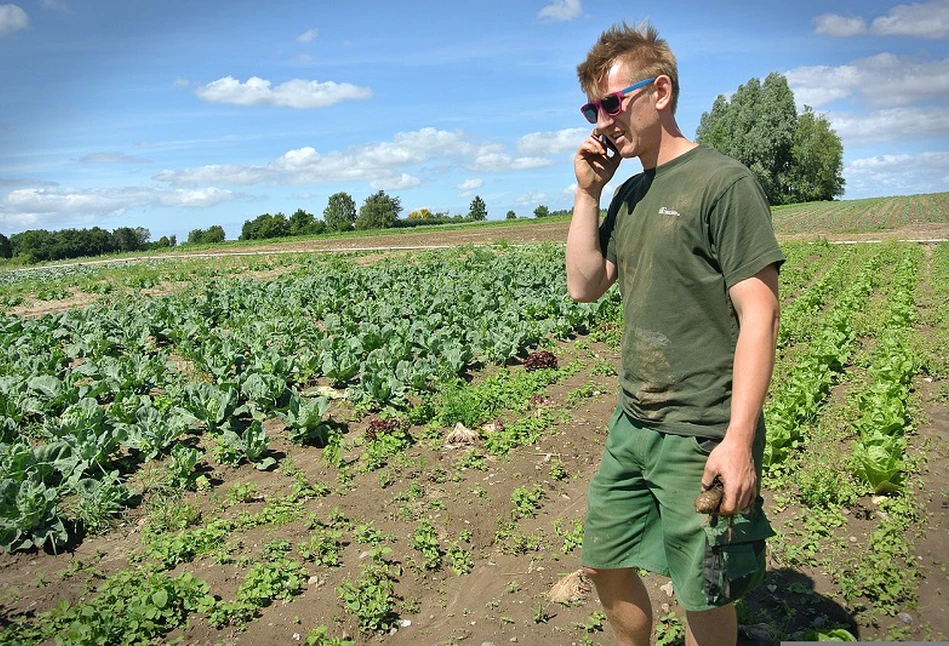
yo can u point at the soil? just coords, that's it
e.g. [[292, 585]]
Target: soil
[[504, 598]]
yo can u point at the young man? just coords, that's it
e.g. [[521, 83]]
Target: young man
[[691, 244]]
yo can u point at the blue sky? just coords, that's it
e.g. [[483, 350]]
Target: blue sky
[[178, 115]]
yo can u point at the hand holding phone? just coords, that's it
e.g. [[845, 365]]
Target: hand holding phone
[[611, 150]]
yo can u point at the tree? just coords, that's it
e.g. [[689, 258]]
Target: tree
[[541, 211], [274, 227], [420, 214], [819, 156], [478, 210], [511, 215], [379, 211], [213, 234], [6, 249], [759, 126], [302, 223], [129, 239], [340, 212]]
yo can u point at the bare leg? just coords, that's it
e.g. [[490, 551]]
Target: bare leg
[[716, 627], [626, 604]]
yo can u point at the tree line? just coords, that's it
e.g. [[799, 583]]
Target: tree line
[[40, 245]]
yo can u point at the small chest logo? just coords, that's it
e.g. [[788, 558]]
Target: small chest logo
[[666, 211]]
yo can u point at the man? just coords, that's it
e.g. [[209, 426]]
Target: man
[[691, 244]]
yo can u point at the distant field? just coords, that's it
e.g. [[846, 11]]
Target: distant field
[[908, 212]]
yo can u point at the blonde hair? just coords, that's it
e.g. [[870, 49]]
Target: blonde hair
[[639, 48]]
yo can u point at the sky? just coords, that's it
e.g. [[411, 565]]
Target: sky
[[179, 115]]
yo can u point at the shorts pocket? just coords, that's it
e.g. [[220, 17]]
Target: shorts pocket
[[734, 560], [705, 445]]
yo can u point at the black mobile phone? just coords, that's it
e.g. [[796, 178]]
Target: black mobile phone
[[611, 150]]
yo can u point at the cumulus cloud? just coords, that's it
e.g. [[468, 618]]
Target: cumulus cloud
[[12, 18], [889, 125], [28, 207], [470, 184], [390, 162], [531, 198], [884, 80], [491, 158], [898, 174], [111, 158], [830, 24], [395, 183], [295, 93], [308, 36], [920, 20], [552, 143], [561, 10]]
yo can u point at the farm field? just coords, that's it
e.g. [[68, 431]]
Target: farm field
[[393, 447]]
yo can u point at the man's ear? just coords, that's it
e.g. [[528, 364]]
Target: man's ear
[[663, 85]]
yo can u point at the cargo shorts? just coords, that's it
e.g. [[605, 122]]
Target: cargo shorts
[[641, 514]]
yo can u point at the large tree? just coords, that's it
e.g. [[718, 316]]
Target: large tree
[[340, 212], [759, 126], [379, 211]]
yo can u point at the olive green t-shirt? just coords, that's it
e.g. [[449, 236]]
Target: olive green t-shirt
[[680, 236]]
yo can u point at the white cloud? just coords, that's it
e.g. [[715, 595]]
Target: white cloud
[[295, 93], [27, 207], [919, 20], [12, 18], [898, 174], [924, 20], [391, 161], [180, 82], [883, 80], [231, 174], [552, 143], [561, 10], [890, 125], [111, 158], [830, 24], [495, 162], [470, 184], [531, 198], [308, 36], [395, 183]]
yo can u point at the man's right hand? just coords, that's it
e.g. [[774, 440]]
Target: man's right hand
[[593, 165]]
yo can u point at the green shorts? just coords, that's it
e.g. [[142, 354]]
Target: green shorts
[[641, 513]]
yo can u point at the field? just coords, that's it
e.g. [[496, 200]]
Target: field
[[310, 443]]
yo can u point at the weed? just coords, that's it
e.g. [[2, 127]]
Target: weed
[[572, 538], [669, 630], [526, 501], [461, 560], [371, 597], [425, 540], [594, 623]]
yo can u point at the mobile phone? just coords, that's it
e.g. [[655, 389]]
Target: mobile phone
[[611, 150]]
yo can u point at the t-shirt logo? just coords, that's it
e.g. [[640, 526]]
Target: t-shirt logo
[[665, 211]]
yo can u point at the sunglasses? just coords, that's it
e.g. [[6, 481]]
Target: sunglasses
[[611, 104]]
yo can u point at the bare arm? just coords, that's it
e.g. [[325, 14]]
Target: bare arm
[[589, 273], [756, 304]]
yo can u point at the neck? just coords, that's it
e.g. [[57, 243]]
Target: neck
[[672, 143]]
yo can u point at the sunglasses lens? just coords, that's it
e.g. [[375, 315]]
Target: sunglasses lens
[[589, 111], [611, 104]]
